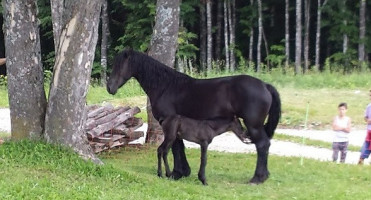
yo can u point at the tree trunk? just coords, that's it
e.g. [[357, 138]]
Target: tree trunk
[[287, 33], [105, 43], [65, 116], [27, 99], [232, 19], [362, 31], [163, 48], [203, 39], [251, 41], [209, 36], [298, 38], [306, 35], [260, 34], [218, 39], [226, 35], [57, 11], [318, 33], [345, 35]]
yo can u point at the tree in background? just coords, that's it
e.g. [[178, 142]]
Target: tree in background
[[318, 32], [298, 39], [362, 30], [27, 100], [76, 36], [163, 48], [105, 43]]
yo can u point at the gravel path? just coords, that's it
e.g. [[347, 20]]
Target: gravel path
[[228, 142]]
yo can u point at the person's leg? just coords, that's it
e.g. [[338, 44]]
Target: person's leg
[[335, 148], [343, 150], [365, 152]]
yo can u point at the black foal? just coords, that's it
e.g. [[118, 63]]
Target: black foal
[[201, 132]]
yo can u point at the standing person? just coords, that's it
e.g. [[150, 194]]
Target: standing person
[[341, 126], [366, 148]]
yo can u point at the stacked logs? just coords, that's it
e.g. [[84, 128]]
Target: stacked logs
[[108, 127]]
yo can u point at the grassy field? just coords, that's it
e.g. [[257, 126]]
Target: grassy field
[[40, 171]]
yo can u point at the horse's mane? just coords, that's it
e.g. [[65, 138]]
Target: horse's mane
[[152, 73]]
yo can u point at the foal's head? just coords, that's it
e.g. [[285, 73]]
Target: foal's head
[[121, 71]]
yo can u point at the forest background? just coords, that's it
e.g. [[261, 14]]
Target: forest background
[[258, 36]]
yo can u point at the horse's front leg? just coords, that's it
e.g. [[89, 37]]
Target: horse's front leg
[[201, 172], [181, 166]]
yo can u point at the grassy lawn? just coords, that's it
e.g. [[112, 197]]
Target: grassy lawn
[[40, 171]]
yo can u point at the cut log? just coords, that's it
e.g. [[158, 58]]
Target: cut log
[[102, 128], [2, 61]]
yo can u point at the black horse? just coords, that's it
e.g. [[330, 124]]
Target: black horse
[[173, 93], [201, 132]]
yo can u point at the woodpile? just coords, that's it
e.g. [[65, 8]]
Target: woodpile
[[108, 127], [2, 61]]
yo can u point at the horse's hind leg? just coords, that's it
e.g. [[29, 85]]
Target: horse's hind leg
[[201, 172], [159, 157], [262, 143], [165, 152]]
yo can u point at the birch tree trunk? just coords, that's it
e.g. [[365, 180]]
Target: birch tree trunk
[[203, 39], [218, 39], [287, 33], [163, 48], [362, 31], [231, 19], [27, 100], [345, 35], [298, 38], [226, 35], [65, 115], [209, 35], [318, 33], [306, 35], [105, 43], [251, 41], [260, 34]]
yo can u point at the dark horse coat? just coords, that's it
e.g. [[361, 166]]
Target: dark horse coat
[[172, 93]]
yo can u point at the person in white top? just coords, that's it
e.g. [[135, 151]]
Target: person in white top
[[341, 126]]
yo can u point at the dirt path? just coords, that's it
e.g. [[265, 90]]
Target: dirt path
[[228, 142]]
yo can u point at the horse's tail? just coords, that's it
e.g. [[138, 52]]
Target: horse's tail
[[274, 111]]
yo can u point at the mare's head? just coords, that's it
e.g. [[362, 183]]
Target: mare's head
[[121, 72]]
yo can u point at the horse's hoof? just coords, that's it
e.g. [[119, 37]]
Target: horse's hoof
[[258, 180], [204, 183], [159, 175], [176, 175]]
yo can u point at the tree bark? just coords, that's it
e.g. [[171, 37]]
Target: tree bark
[[251, 41], [209, 36], [298, 38], [27, 99], [57, 11], [203, 37], [318, 33], [287, 33], [362, 31], [232, 20], [345, 35], [65, 116], [306, 35], [260, 34], [163, 48], [105, 43], [226, 35], [218, 39]]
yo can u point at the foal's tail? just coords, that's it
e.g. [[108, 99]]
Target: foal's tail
[[274, 111]]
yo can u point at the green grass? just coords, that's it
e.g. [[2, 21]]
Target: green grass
[[31, 170]]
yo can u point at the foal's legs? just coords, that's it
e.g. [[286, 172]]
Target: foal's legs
[[201, 172], [162, 152]]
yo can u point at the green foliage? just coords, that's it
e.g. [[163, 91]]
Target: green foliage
[[3, 80], [186, 49], [276, 56], [138, 24]]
